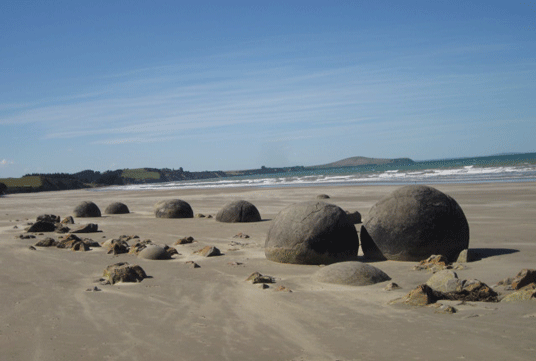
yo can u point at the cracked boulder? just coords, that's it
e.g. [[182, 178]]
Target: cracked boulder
[[123, 272], [413, 223], [238, 211], [311, 232]]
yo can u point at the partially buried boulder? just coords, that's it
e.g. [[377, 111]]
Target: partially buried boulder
[[123, 272], [117, 208], [238, 211], [175, 208], [311, 233], [154, 252], [413, 223], [42, 226], [87, 209], [351, 274]]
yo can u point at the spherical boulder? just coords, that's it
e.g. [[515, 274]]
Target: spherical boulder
[[174, 208], [351, 273], [238, 211], [311, 232], [87, 209], [154, 252], [117, 208], [413, 223]]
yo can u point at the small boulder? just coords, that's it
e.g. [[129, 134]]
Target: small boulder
[[68, 220], [87, 209], [523, 278], [257, 277], [238, 211], [392, 286], [185, 240], [117, 208], [526, 293], [422, 295], [311, 233], [154, 252], [351, 273], [41, 226], [47, 242], [445, 281], [88, 228], [434, 263], [48, 218], [323, 196], [175, 208], [467, 255], [123, 272], [208, 251]]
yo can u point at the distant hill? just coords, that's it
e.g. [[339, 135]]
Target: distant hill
[[357, 161]]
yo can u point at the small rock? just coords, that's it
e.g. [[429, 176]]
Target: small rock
[[392, 286], [94, 289], [523, 278], [283, 289], [526, 293], [68, 220], [123, 272], [235, 263], [323, 196], [185, 240], [192, 264], [171, 250], [25, 236], [354, 217], [208, 251], [199, 215], [445, 281], [434, 263], [446, 310], [263, 286], [47, 242], [240, 235], [467, 255], [48, 218], [88, 228], [256, 277], [32, 248], [421, 296]]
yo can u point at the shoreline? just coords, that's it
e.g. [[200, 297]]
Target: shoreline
[[211, 313]]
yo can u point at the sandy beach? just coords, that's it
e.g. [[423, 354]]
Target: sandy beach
[[212, 313]]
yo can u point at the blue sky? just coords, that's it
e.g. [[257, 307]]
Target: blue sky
[[229, 85]]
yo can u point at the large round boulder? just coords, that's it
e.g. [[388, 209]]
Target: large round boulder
[[311, 233], [174, 208], [351, 273], [238, 211], [87, 209], [413, 223], [117, 208]]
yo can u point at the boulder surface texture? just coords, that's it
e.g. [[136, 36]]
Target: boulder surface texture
[[311, 233], [351, 273], [117, 208], [238, 211], [413, 223], [174, 208], [87, 209]]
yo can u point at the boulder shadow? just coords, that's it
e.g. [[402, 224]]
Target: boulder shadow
[[481, 253]]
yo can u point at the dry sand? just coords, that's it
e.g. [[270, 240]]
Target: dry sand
[[211, 313]]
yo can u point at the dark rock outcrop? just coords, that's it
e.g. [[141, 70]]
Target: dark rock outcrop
[[87, 209], [175, 208], [238, 211], [41, 226], [311, 233], [413, 223]]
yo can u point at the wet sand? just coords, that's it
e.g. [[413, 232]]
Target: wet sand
[[211, 313]]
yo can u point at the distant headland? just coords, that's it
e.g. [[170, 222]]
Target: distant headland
[[38, 182]]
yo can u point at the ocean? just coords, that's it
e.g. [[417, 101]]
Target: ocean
[[498, 168]]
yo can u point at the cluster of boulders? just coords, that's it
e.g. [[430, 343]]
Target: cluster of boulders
[[414, 223]]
